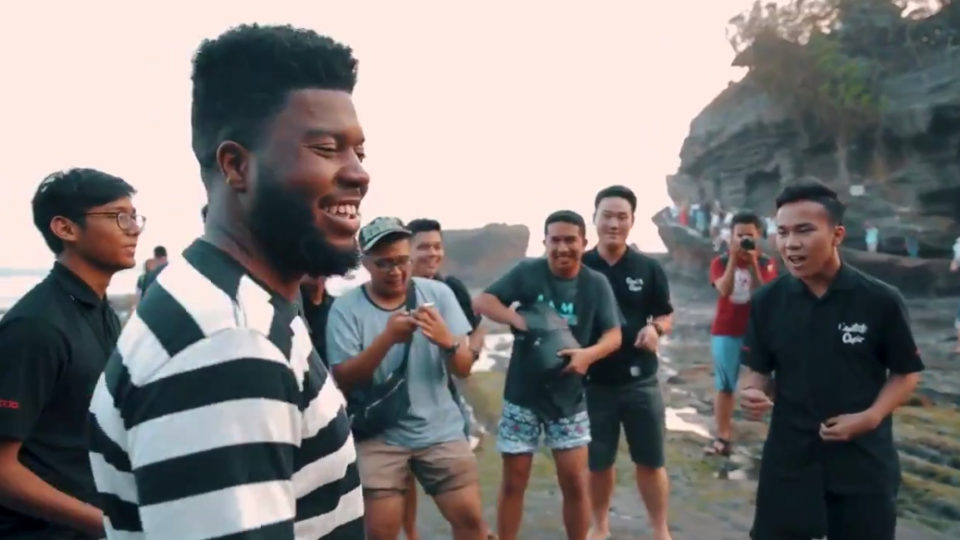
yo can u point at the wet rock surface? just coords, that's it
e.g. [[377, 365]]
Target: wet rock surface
[[713, 498]]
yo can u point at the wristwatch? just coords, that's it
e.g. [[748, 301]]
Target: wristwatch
[[452, 350]]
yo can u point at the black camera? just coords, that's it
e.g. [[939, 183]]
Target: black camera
[[748, 244]]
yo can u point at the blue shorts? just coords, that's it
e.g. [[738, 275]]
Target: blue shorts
[[519, 431], [726, 361]]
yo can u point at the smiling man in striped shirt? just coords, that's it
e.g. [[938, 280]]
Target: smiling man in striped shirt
[[215, 417]]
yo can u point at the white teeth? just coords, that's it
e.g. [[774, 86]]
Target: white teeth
[[343, 210]]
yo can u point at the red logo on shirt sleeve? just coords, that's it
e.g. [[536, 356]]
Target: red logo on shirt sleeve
[[9, 404]]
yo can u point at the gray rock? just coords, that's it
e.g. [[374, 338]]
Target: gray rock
[[744, 147]]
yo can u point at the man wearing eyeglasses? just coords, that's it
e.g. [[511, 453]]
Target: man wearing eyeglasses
[[367, 331], [54, 344]]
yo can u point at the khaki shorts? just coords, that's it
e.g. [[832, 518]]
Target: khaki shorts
[[385, 468]]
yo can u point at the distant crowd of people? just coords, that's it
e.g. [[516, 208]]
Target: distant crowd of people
[[713, 221], [239, 400]]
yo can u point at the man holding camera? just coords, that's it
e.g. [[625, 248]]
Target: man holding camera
[[397, 326], [735, 275]]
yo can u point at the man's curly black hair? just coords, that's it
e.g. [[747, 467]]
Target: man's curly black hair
[[243, 77]]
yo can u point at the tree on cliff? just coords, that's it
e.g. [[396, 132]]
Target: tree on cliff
[[825, 59]]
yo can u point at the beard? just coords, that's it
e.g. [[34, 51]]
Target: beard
[[282, 223]]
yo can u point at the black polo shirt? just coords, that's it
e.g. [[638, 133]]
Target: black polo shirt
[[831, 355], [315, 316], [642, 291], [463, 298], [54, 344]]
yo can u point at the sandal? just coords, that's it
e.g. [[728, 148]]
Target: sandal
[[719, 447]]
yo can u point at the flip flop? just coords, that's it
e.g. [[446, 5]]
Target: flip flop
[[719, 447]]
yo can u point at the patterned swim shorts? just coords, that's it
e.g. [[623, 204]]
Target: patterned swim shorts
[[519, 431]]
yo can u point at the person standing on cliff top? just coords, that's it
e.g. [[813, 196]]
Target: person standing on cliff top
[[550, 399], [735, 275], [623, 389], [54, 343], [844, 356]]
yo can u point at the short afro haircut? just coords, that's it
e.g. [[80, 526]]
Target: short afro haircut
[[243, 78]]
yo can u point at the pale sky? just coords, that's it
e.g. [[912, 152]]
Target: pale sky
[[498, 112]]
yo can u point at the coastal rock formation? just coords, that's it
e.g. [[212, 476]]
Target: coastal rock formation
[[903, 176], [479, 256]]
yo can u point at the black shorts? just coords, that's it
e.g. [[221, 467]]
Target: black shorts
[[638, 406], [859, 516]]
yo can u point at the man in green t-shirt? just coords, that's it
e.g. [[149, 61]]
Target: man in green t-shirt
[[543, 400]]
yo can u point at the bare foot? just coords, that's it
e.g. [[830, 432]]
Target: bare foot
[[662, 536], [599, 534]]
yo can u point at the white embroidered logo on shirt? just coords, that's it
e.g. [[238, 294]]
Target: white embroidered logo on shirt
[[635, 284], [853, 333]]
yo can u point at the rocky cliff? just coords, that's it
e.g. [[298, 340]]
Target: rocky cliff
[[904, 177], [479, 256]]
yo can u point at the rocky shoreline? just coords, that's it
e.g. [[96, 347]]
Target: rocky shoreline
[[711, 498]]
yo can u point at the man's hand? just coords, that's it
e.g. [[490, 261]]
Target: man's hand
[[648, 338], [954, 265], [755, 403], [400, 327], [734, 247], [848, 426], [580, 360], [431, 323]]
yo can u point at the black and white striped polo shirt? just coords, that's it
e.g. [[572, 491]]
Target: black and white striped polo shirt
[[215, 418]]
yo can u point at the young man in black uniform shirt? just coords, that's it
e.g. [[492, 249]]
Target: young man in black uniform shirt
[[54, 343], [427, 250], [623, 388], [840, 345], [428, 256], [316, 302]]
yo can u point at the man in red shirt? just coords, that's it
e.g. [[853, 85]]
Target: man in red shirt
[[735, 275]]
